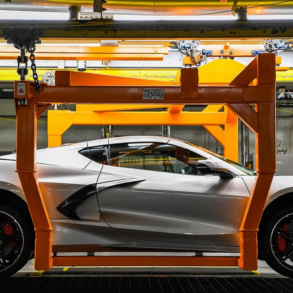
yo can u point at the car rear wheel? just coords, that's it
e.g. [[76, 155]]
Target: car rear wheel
[[278, 242], [15, 241]]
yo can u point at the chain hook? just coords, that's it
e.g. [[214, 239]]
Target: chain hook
[[31, 50]]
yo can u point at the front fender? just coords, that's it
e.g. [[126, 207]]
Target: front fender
[[281, 185]]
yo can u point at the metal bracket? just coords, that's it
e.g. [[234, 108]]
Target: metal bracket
[[273, 45], [22, 64], [241, 13], [234, 6], [98, 6]]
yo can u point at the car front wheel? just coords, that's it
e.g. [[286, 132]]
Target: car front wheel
[[278, 242], [15, 241]]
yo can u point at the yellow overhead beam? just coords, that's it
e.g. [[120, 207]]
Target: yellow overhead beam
[[285, 76]]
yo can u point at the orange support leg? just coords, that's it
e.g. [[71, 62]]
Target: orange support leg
[[26, 168], [265, 164]]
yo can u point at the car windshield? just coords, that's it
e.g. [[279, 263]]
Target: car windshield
[[232, 163]]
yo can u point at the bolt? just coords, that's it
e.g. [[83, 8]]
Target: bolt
[[231, 52], [222, 51]]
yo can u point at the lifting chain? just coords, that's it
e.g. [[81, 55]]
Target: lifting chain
[[31, 50], [201, 56], [24, 38], [191, 51]]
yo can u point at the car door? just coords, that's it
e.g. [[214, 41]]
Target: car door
[[156, 194]]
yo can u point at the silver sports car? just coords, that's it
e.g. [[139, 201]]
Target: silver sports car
[[143, 193]]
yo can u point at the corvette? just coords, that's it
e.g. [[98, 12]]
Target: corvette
[[142, 193]]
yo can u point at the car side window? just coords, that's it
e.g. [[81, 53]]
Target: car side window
[[97, 154], [154, 157]]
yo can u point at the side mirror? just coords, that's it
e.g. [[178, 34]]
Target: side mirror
[[208, 167]]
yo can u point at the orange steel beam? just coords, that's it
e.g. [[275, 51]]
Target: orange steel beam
[[86, 57], [27, 172], [115, 107], [139, 118], [74, 78], [66, 94], [227, 137], [262, 95], [175, 108], [90, 50], [145, 261], [60, 121], [247, 75], [247, 112]]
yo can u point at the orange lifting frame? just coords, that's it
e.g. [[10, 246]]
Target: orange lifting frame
[[238, 96]]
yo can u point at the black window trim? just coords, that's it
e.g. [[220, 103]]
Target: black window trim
[[89, 152]]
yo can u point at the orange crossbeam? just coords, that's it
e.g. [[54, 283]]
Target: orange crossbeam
[[133, 95], [152, 261], [91, 79], [90, 50], [88, 57]]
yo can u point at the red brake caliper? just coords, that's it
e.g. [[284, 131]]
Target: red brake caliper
[[282, 242], [9, 231]]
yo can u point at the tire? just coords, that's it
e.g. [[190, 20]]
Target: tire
[[277, 247], [16, 241]]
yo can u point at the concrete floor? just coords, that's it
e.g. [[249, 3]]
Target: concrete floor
[[263, 271]]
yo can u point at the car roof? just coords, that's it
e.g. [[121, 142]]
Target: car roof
[[124, 139]]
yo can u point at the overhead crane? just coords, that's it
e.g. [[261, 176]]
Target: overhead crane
[[255, 85]]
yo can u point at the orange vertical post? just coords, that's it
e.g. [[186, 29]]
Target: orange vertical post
[[26, 168], [265, 164]]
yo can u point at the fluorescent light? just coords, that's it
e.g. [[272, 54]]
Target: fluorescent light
[[270, 17], [198, 17], [33, 15], [172, 17]]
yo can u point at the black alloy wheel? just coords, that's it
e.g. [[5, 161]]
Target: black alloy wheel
[[15, 242], [278, 242]]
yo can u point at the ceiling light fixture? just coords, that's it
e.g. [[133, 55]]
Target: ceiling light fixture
[[198, 17], [36, 15], [33, 15]]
